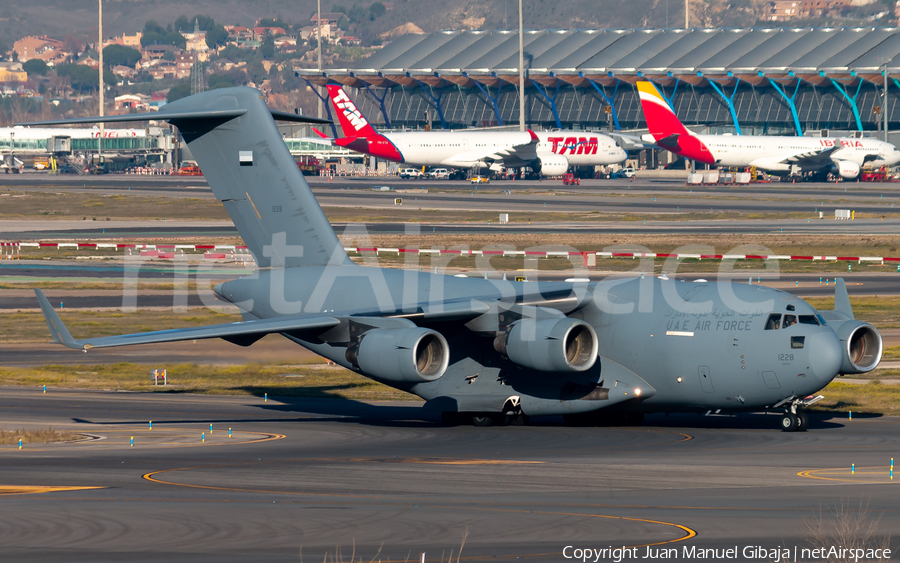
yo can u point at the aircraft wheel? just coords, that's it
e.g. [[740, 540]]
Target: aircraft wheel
[[517, 419], [789, 422], [483, 420], [450, 418], [802, 421]]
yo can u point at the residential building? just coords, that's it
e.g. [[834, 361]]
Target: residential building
[[152, 52], [184, 62], [260, 33], [123, 71], [88, 61], [196, 42], [783, 10], [132, 101], [12, 72], [51, 51], [327, 18]]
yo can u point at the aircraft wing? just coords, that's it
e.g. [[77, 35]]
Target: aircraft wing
[[328, 141], [812, 158], [236, 332], [515, 155]]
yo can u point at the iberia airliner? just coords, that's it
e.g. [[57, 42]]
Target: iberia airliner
[[550, 153], [844, 156]]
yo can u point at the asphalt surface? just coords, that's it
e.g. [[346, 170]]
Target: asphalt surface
[[139, 230], [302, 478]]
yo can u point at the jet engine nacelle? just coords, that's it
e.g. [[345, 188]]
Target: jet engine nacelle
[[401, 355], [557, 345], [552, 164], [848, 170], [861, 345]]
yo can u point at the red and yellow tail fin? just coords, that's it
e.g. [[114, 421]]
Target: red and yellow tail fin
[[661, 120], [666, 129], [353, 122]]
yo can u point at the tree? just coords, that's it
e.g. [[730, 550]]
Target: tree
[[72, 44], [216, 37], [344, 23], [152, 26], [84, 78], [183, 25], [277, 22], [169, 56], [178, 91], [256, 72], [376, 10], [115, 55], [267, 49], [173, 38], [205, 23], [35, 67]]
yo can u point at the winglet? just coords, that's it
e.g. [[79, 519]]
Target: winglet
[[842, 298], [534, 137], [319, 133], [58, 330]]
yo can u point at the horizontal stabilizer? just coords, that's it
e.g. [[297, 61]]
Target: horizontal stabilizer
[[162, 115], [228, 331]]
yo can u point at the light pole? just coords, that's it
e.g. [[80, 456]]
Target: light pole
[[884, 106], [687, 15], [521, 71], [100, 53], [319, 49]]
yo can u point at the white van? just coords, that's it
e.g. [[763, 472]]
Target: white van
[[439, 173], [410, 173]]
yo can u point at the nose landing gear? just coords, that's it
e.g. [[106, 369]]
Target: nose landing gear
[[795, 419]]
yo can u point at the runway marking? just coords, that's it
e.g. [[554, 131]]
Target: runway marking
[[26, 490], [438, 461], [163, 433], [863, 475], [689, 533]]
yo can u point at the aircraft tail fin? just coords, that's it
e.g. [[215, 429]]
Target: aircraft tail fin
[[232, 135], [352, 120], [661, 120]]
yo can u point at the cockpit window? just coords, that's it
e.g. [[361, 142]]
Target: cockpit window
[[809, 320], [789, 320], [821, 319], [797, 342], [773, 322]]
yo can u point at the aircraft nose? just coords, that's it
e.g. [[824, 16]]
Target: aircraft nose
[[825, 354]]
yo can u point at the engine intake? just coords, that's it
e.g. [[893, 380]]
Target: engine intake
[[552, 164], [401, 355], [556, 345], [862, 346], [847, 169]]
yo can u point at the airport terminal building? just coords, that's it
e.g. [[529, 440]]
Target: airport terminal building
[[743, 81]]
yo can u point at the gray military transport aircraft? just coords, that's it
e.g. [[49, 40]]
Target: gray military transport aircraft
[[492, 351]]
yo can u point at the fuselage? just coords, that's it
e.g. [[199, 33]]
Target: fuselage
[[770, 153], [465, 149], [687, 346]]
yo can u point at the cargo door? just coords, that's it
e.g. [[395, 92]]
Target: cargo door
[[705, 380]]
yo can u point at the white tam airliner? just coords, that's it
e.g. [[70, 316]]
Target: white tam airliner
[[550, 153], [844, 156]]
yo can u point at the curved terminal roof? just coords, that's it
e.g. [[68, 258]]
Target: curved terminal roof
[[607, 55]]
